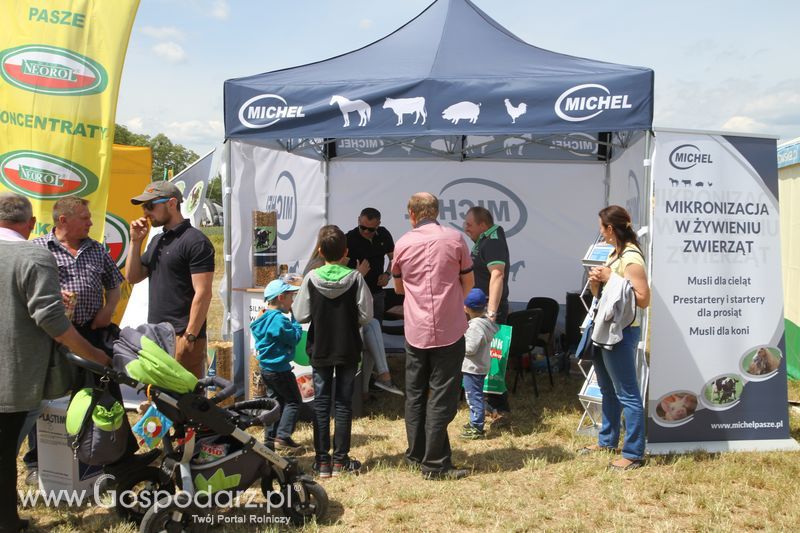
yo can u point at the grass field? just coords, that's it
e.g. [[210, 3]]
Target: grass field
[[527, 478]]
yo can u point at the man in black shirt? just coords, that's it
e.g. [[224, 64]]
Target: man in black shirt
[[180, 264], [372, 242], [490, 262]]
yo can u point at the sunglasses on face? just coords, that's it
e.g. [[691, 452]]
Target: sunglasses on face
[[149, 205], [367, 228]]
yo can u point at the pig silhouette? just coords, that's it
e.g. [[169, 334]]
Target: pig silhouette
[[462, 111]]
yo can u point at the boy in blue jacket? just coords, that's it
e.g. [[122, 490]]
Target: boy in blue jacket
[[276, 337]]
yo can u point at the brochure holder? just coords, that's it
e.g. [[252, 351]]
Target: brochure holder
[[590, 396]]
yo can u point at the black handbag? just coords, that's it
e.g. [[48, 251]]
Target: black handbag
[[586, 348]]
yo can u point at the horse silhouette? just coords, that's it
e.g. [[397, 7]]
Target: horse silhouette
[[514, 269], [348, 106]]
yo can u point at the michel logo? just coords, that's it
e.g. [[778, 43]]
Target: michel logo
[[283, 200], [116, 238], [44, 176], [52, 70], [264, 110], [687, 156], [586, 101], [364, 146], [459, 195], [578, 144]]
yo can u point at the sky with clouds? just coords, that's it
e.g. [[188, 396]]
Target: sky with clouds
[[719, 65]]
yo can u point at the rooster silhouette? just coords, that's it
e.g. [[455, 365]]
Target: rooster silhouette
[[515, 112]]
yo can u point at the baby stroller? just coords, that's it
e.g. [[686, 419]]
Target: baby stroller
[[180, 489]]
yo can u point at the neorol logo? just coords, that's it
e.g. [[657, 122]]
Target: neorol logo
[[459, 195], [116, 238], [283, 200], [586, 101], [45, 176], [52, 70], [264, 110], [687, 156]]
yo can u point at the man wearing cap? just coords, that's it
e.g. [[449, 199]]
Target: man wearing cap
[[179, 263]]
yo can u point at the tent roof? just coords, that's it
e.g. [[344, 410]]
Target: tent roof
[[456, 72]]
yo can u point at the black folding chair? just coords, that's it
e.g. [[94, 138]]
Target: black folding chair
[[524, 330], [547, 332]]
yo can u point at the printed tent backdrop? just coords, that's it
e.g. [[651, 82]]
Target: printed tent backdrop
[[317, 143]]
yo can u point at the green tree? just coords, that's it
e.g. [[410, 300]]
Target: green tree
[[215, 189], [166, 155]]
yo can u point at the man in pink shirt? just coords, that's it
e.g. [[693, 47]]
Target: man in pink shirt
[[433, 268]]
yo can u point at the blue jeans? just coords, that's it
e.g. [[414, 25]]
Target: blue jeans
[[283, 387], [473, 390], [342, 398], [616, 376]]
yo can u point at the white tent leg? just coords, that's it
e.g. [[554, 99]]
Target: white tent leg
[[226, 202]]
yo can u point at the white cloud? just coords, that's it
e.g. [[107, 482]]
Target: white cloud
[[220, 9], [745, 124], [171, 51], [365, 24], [163, 33], [135, 124], [196, 132]]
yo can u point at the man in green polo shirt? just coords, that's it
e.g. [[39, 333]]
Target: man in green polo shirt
[[490, 264]]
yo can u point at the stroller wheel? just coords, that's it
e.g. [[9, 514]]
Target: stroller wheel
[[300, 510], [168, 515], [137, 490]]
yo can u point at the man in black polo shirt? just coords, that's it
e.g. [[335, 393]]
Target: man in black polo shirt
[[371, 242], [490, 262], [180, 264]]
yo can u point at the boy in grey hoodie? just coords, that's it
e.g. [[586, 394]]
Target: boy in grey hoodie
[[336, 301], [478, 339]]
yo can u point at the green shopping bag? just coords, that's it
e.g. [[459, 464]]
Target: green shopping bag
[[300, 355], [495, 382]]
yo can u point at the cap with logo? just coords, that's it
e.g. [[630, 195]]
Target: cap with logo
[[276, 287], [476, 299], [156, 190]]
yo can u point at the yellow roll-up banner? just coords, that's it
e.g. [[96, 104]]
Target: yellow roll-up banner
[[130, 173], [60, 68]]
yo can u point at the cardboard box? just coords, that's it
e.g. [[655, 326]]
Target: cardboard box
[[58, 467]]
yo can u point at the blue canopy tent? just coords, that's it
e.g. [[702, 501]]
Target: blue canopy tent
[[450, 84], [451, 71]]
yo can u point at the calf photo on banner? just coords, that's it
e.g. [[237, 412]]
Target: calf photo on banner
[[718, 371]]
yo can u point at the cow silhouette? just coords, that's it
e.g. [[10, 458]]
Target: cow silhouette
[[406, 106]]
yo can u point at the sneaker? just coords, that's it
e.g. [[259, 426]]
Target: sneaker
[[472, 433], [287, 445], [33, 477], [322, 469], [449, 474], [352, 466], [389, 386]]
